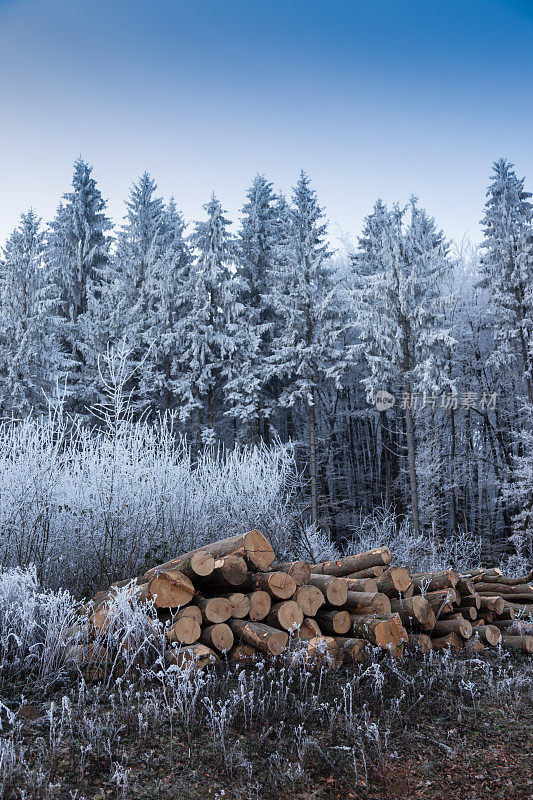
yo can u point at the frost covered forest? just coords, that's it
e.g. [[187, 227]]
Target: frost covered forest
[[159, 377]]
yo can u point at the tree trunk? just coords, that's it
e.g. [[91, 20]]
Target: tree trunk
[[381, 556], [312, 460], [262, 637], [410, 430]]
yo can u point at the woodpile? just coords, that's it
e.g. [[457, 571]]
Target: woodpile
[[231, 599]]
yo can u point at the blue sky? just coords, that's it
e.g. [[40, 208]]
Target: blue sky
[[371, 98]]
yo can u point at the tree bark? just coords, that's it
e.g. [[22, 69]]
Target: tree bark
[[262, 637]]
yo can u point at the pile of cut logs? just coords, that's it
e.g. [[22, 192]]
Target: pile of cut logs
[[231, 599]]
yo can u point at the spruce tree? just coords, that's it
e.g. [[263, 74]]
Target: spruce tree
[[248, 391], [77, 258], [205, 340], [30, 361], [304, 351], [167, 302], [399, 268], [508, 269]]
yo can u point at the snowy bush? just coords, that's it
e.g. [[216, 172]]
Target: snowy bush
[[89, 506], [421, 553], [33, 627]]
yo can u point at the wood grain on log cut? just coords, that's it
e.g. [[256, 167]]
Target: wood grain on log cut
[[451, 640], [334, 590], [243, 652], [215, 609], [488, 634], [522, 644], [260, 605], [219, 637], [346, 566], [508, 612], [433, 581], [197, 654], [415, 610], [394, 581], [421, 642], [287, 615], [409, 592], [241, 604], [197, 564], [169, 589], [459, 626], [333, 622], [253, 547], [371, 572], [353, 650], [185, 630], [279, 585], [189, 611], [309, 598], [228, 572], [324, 651], [299, 570], [261, 636], [495, 604], [308, 629], [365, 602], [466, 588], [385, 631]]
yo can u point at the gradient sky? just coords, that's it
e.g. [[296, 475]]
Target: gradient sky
[[372, 98]]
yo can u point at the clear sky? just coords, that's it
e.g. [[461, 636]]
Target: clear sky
[[371, 97]]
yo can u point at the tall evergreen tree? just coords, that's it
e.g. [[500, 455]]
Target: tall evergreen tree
[[205, 340], [399, 268], [304, 354], [167, 302], [30, 361], [508, 268], [77, 257], [248, 390]]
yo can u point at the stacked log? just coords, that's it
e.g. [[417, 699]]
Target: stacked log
[[231, 599]]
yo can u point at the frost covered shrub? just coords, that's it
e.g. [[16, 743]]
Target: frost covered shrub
[[33, 627], [41, 631], [421, 553], [89, 506]]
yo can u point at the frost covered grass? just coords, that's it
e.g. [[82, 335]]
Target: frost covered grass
[[268, 729], [89, 506]]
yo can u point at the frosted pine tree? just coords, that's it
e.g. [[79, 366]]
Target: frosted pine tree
[[30, 361], [77, 258], [399, 268], [167, 302], [139, 247], [305, 353], [205, 339], [508, 269], [248, 392]]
